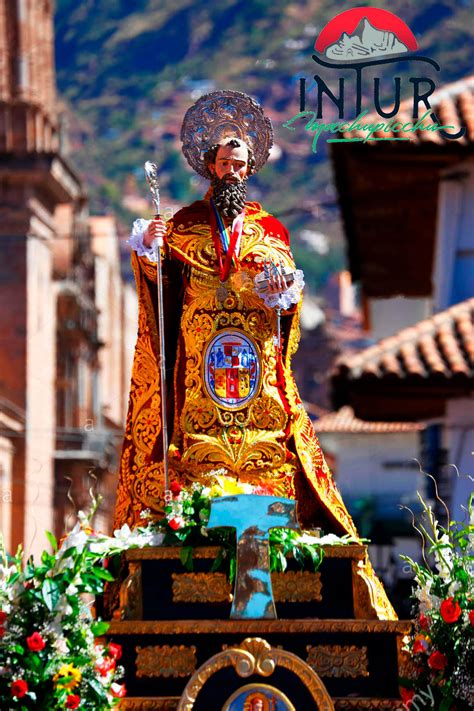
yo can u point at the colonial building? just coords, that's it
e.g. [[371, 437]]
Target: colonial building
[[57, 285], [408, 210]]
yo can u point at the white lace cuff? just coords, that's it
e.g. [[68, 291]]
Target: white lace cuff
[[135, 240], [285, 299]]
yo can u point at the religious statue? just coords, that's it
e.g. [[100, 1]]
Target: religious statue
[[231, 298]]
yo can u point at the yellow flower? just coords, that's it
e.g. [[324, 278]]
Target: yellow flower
[[68, 676], [229, 487]]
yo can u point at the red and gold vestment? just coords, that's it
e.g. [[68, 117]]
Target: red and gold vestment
[[233, 402]]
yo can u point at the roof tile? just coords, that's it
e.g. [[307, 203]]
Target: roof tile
[[440, 346], [344, 420]]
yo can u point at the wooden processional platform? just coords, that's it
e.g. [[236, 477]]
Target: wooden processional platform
[[326, 650]]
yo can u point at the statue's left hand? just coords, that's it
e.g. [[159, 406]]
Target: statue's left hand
[[279, 280]]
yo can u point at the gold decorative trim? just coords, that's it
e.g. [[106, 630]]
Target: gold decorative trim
[[201, 587], [370, 598], [355, 551], [126, 627], [131, 595], [156, 703], [297, 586], [366, 703], [335, 660], [291, 586], [256, 656], [165, 661], [171, 704]]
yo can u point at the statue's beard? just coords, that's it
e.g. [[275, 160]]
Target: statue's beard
[[229, 197]]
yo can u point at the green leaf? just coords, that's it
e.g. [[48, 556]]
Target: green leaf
[[446, 703], [232, 569], [99, 628], [96, 686], [186, 557], [52, 541], [103, 574], [51, 594], [218, 561]]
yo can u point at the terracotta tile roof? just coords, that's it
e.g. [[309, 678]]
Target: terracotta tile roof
[[345, 421], [453, 105], [441, 346]]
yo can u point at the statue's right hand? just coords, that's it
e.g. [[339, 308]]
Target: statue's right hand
[[156, 230]]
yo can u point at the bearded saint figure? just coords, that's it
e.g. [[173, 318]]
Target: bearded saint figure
[[232, 299]]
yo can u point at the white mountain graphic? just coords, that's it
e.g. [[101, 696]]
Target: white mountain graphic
[[366, 42]]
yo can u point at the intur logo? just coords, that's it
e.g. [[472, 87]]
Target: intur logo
[[350, 48]]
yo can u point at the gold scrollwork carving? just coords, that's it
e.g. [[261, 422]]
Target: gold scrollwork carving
[[149, 704], [256, 656], [130, 596], [291, 586], [370, 704], [336, 660], [201, 587], [370, 598], [306, 626], [297, 586], [165, 661]]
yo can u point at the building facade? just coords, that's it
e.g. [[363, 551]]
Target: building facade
[[56, 430]]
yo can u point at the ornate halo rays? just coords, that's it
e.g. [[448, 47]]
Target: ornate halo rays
[[220, 115]]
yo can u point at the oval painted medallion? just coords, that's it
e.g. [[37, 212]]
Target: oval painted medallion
[[232, 368]]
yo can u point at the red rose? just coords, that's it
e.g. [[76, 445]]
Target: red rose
[[118, 690], [424, 622], [105, 666], [437, 660], [73, 701], [450, 610], [175, 524], [19, 688], [175, 488], [3, 617], [407, 695], [114, 650], [471, 617], [35, 643]]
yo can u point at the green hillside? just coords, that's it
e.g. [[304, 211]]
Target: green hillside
[[128, 70]]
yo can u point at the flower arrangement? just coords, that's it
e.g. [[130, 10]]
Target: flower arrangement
[[50, 654], [441, 645], [187, 513]]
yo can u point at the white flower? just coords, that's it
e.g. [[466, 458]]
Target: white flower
[[63, 607], [102, 546], [77, 538], [71, 589], [155, 539], [453, 588], [313, 540], [60, 644]]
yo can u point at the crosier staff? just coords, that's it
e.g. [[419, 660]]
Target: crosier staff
[[151, 172]]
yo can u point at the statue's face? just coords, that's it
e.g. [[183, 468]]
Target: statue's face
[[231, 163]]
